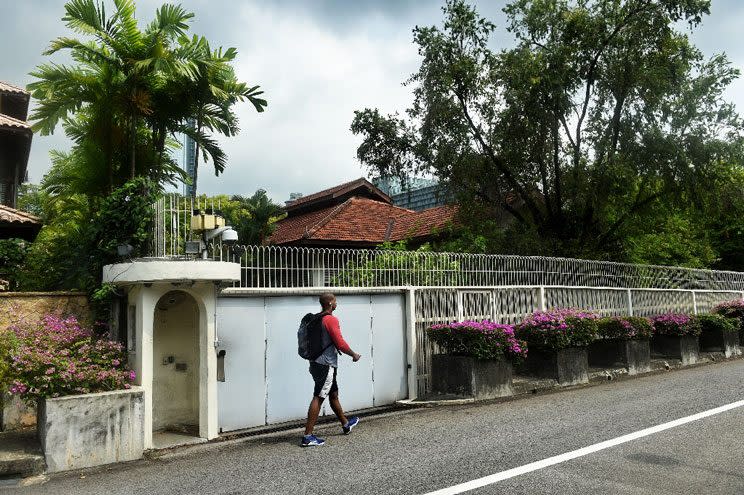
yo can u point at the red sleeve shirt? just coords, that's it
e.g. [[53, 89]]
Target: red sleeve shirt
[[333, 328]]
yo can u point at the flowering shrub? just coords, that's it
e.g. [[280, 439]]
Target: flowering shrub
[[481, 340], [713, 323], [625, 328], [558, 329], [676, 324], [57, 356], [731, 309]]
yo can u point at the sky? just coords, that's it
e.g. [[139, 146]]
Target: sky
[[317, 61]]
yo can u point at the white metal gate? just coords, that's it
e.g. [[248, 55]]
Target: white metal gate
[[266, 381]]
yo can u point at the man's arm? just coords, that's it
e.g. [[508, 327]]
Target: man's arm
[[333, 327]]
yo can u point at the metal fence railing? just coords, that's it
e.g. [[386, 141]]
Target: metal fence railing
[[291, 267]]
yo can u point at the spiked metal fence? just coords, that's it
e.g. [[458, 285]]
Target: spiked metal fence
[[291, 267]]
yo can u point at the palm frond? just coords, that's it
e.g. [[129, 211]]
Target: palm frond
[[85, 16]]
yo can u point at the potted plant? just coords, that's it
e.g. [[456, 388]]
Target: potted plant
[[87, 411], [676, 336], [623, 341], [558, 341], [735, 310], [477, 358], [719, 333]]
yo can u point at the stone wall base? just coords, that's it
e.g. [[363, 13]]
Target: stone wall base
[[15, 414]]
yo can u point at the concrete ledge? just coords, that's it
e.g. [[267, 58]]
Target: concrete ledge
[[79, 431], [151, 270]]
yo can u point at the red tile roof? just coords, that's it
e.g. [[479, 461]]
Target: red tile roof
[[9, 88], [7, 121], [336, 191], [361, 220], [11, 215]]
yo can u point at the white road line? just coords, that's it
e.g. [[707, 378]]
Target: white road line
[[550, 461]]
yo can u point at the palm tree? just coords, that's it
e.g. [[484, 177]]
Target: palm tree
[[262, 214], [131, 89], [216, 89]]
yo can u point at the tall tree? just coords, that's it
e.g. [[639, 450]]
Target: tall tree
[[600, 111], [131, 88]]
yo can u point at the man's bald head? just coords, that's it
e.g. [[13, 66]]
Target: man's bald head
[[326, 300]]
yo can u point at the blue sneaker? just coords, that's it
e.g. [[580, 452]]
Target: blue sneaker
[[311, 441], [351, 423]]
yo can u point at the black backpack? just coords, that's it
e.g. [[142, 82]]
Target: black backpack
[[309, 336]]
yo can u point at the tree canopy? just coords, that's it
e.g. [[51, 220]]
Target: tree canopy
[[602, 115]]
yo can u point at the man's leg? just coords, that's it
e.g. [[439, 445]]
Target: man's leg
[[312, 414], [336, 406]]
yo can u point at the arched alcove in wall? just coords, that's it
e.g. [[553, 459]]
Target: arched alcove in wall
[[176, 364]]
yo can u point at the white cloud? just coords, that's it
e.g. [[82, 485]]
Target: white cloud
[[314, 80], [317, 64]]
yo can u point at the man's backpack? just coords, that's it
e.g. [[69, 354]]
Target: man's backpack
[[309, 336]]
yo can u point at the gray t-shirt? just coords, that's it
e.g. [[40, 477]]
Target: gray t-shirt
[[330, 355]]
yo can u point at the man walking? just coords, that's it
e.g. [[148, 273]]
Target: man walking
[[324, 370]]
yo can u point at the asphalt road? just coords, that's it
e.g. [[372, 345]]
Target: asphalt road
[[430, 449]]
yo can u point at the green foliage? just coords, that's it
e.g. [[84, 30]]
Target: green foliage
[[253, 218], [625, 328], [59, 258], [125, 217], [12, 255], [79, 240], [32, 199], [603, 114], [394, 264], [713, 323], [677, 240]]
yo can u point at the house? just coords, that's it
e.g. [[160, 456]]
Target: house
[[357, 214], [15, 141], [18, 224], [15, 144]]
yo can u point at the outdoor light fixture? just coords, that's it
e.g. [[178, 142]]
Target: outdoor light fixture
[[124, 250]]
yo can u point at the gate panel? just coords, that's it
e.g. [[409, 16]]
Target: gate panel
[[289, 386], [241, 331], [389, 349], [355, 379]]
